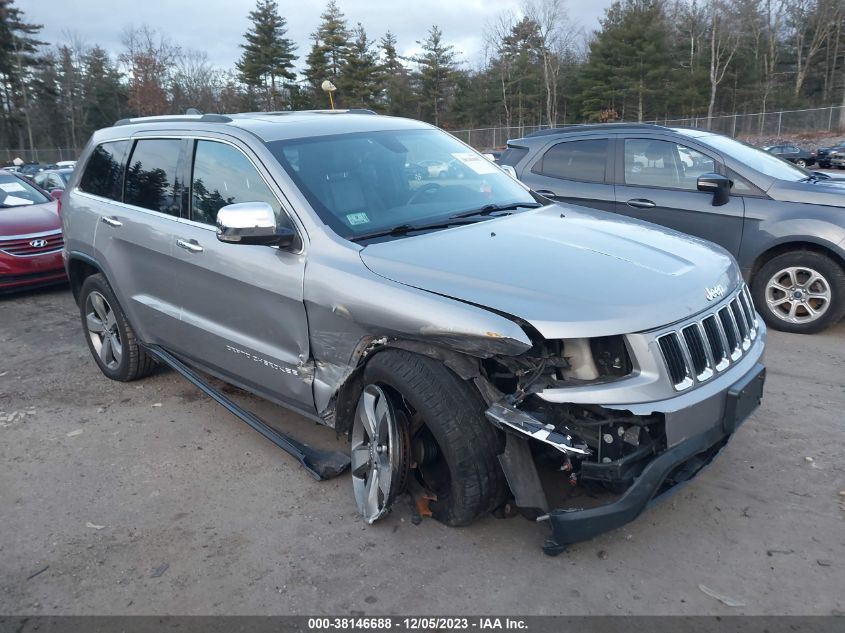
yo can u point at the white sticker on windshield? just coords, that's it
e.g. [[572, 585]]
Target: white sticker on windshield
[[357, 218], [14, 201], [9, 187], [476, 163]]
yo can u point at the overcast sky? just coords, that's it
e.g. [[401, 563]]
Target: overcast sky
[[217, 26]]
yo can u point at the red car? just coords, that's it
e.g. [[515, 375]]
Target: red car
[[30, 235]]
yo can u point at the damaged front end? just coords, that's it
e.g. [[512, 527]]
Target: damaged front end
[[587, 466]]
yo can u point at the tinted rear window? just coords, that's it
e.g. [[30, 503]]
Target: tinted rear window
[[151, 176], [575, 160], [103, 175], [512, 155]]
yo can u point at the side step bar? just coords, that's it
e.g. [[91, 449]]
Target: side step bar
[[321, 464]]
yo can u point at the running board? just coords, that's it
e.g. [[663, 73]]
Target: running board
[[321, 464]]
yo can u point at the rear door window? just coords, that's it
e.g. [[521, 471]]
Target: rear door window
[[152, 180], [222, 175], [583, 160], [103, 175]]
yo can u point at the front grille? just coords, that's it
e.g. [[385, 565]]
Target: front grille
[[698, 350], [23, 247]]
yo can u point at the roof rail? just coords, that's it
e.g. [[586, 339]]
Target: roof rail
[[170, 118], [596, 126]]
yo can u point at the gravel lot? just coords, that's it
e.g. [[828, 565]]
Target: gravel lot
[[149, 498]]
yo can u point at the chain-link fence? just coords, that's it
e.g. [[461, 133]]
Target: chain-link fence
[[43, 156], [761, 124]]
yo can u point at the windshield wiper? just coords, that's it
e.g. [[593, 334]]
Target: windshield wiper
[[487, 209], [404, 229]]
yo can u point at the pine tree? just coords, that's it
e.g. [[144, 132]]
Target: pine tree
[[398, 96], [437, 66], [362, 79], [18, 57], [329, 52], [268, 55], [630, 62]]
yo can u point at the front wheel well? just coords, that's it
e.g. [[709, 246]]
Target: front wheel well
[[791, 247], [78, 271]]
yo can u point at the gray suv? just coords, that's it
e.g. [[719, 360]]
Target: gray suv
[[480, 348], [785, 225]]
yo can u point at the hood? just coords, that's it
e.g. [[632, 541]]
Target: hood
[[830, 192], [569, 273], [31, 218]]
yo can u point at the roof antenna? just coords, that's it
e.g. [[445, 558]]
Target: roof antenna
[[193, 111]]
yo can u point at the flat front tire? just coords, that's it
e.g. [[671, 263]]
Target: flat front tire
[[425, 419], [110, 338]]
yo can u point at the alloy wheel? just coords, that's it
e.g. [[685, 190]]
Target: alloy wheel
[[379, 453], [102, 330], [798, 294]]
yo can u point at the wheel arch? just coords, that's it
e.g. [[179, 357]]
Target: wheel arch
[[466, 367], [795, 246], [79, 268]]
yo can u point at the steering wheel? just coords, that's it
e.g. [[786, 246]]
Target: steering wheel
[[426, 189]]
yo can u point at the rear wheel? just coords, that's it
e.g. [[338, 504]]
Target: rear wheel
[[801, 162], [109, 336], [415, 418], [801, 292]]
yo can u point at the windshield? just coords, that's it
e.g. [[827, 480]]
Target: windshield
[[363, 183], [765, 163], [15, 192]]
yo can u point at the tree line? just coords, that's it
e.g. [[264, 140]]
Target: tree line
[[649, 59]]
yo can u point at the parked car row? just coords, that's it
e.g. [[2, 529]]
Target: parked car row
[[823, 157]]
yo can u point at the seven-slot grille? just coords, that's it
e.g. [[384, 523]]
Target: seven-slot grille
[[23, 246], [696, 351]]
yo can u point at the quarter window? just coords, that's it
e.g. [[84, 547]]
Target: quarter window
[[223, 175], [651, 163], [575, 160], [103, 175], [152, 180]]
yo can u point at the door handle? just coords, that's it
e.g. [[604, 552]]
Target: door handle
[[548, 193], [189, 245], [111, 221], [641, 203]]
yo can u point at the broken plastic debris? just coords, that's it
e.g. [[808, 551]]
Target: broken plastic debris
[[157, 404], [3, 373], [158, 571], [726, 600], [809, 460], [75, 433], [93, 526]]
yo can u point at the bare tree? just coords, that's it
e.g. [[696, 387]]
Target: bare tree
[[196, 83], [556, 36], [813, 21], [724, 40], [494, 34], [149, 58]]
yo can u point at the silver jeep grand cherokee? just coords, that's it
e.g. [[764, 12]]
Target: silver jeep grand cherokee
[[482, 348]]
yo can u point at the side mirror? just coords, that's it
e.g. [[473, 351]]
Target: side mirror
[[253, 223], [718, 185], [56, 194]]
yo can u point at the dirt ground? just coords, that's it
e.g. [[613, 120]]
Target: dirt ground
[[150, 498]]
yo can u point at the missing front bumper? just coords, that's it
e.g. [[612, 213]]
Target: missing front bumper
[[665, 472]]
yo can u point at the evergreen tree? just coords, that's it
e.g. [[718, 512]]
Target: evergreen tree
[[630, 62], [398, 95], [437, 65], [103, 93], [268, 55], [362, 77], [329, 52], [18, 56]]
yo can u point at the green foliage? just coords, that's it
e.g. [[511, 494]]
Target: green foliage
[[437, 68], [362, 81], [329, 53], [268, 55], [630, 62]]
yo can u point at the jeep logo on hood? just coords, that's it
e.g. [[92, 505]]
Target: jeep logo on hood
[[715, 292]]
